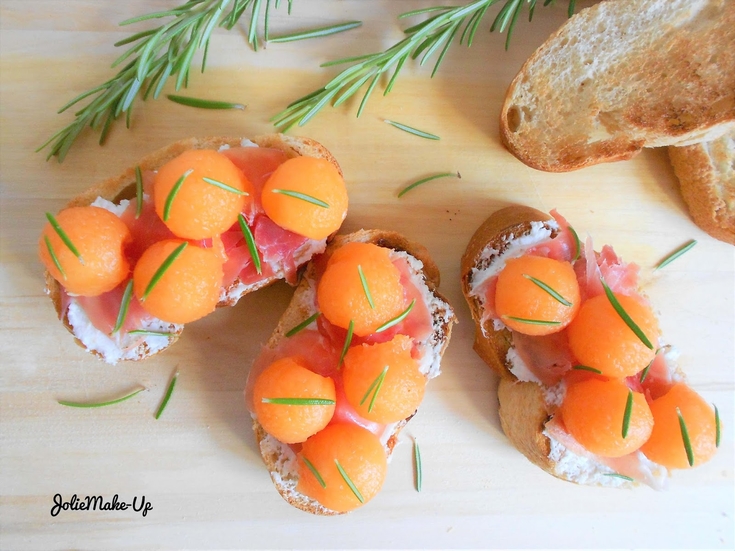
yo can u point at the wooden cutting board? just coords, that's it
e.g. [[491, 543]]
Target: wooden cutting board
[[198, 466]]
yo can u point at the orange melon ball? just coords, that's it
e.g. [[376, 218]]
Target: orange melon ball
[[593, 413], [341, 294], [187, 290], [314, 180], [382, 381], [542, 291], [600, 338], [288, 380], [99, 237], [360, 455], [200, 209], [666, 445]]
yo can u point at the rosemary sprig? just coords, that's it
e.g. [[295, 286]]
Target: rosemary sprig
[[162, 269], [675, 254], [303, 325], [124, 305], [577, 244], [222, 185], [172, 195], [349, 482], [64, 237], [398, 319], [618, 475], [555, 295], [417, 465], [531, 321], [625, 317], [302, 196], [422, 40], [348, 341], [138, 192], [154, 56], [427, 179], [204, 103], [587, 368], [313, 470], [53, 256], [250, 240], [717, 427], [685, 438], [299, 401], [414, 131], [628, 412], [167, 396], [100, 404], [365, 287], [314, 33], [375, 385]]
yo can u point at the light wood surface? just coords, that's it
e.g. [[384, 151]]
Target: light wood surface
[[198, 465]]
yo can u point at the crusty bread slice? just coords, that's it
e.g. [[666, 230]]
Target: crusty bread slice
[[706, 173], [122, 187], [279, 459], [622, 75]]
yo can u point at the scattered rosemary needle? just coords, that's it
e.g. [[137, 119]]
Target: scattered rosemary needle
[[299, 401], [53, 256], [313, 470], [349, 482], [124, 304], [717, 427], [348, 341], [532, 321], [587, 368], [411, 130], [428, 179], [624, 315], [646, 369], [63, 236], [222, 185], [314, 33], [685, 438], [250, 241], [172, 195], [626, 415], [302, 196], [577, 244], [138, 192], [376, 385], [100, 404], [365, 287], [303, 325], [148, 333], [417, 464], [162, 269], [204, 103], [167, 396], [398, 319], [676, 254], [618, 475], [556, 296]]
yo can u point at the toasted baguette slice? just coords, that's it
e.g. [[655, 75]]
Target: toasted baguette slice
[[706, 173], [525, 407], [620, 76], [279, 459], [122, 187]]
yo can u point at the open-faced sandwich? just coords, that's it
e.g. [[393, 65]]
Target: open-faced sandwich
[[191, 227], [588, 390], [346, 369]]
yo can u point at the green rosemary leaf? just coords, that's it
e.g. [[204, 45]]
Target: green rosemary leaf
[[252, 36], [348, 341], [427, 179], [266, 30], [224, 186], [346, 60], [313, 470], [685, 438], [351, 90], [54, 257], [376, 385], [398, 319], [299, 401], [349, 482], [644, 373], [172, 195], [124, 305], [138, 192], [392, 80], [64, 237], [147, 333], [162, 269], [417, 465], [556, 296], [365, 287], [618, 475], [676, 254], [99, 404], [167, 396], [570, 9], [411, 130], [532, 321], [424, 10], [445, 49], [512, 25], [303, 325], [717, 427], [587, 368], [132, 38], [302, 196], [250, 240], [313, 33], [369, 91], [628, 412], [577, 244], [204, 103], [624, 315]]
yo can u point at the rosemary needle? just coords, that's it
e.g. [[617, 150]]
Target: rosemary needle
[[313, 470], [204, 103], [299, 401], [100, 404], [577, 244], [303, 325], [314, 33], [554, 294], [162, 269], [411, 130], [417, 464], [302, 196], [138, 192], [124, 305], [167, 396], [676, 254], [53, 256], [398, 319], [348, 341], [63, 236], [625, 316], [587, 368], [428, 179], [626, 415], [250, 241], [349, 482], [365, 287]]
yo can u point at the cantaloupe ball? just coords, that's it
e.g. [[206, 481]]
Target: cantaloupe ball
[[200, 209], [99, 237], [187, 290], [316, 181]]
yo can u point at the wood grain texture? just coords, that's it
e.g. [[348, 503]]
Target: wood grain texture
[[198, 465]]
